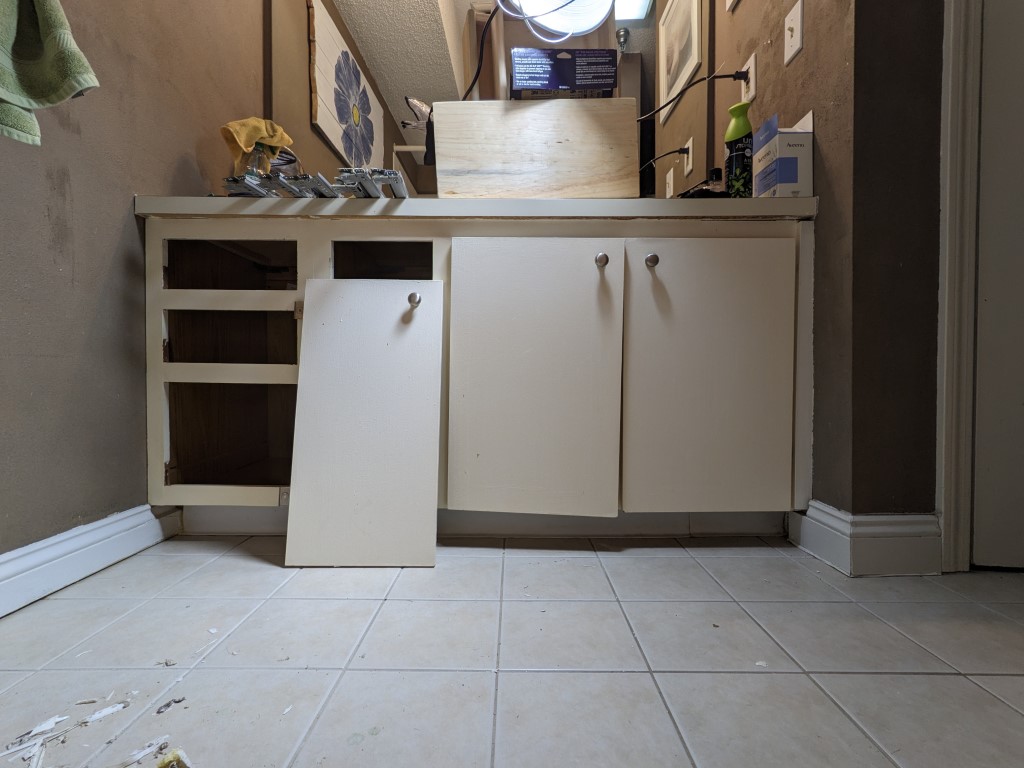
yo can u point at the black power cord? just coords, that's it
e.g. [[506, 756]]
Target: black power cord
[[480, 58], [653, 160], [741, 75]]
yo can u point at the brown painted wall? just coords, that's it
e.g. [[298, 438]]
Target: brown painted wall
[[689, 117], [72, 363], [897, 97]]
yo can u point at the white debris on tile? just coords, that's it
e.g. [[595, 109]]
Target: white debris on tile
[[101, 713]]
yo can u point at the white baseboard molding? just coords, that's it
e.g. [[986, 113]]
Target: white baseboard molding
[[273, 521], [231, 521], [869, 545], [37, 570]]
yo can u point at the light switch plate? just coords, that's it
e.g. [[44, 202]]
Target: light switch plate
[[669, 183], [748, 89], [794, 31], [688, 157]]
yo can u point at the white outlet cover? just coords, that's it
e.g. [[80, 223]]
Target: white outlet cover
[[748, 89], [688, 157], [794, 31], [730, 4], [669, 185]]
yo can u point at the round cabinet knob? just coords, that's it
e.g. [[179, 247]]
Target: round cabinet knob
[[652, 260], [601, 260], [414, 300]]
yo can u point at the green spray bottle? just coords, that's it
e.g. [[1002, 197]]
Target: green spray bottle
[[739, 152]]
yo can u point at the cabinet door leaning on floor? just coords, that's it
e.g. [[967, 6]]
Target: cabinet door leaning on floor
[[535, 375], [364, 469]]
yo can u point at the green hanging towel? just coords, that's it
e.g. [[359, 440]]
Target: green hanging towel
[[40, 65]]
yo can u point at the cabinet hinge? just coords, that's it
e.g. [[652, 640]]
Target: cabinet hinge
[[298, 310]]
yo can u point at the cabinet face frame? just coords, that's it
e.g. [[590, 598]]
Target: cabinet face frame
[[439, 221]]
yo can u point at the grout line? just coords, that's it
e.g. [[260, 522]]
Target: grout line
[[108, 625], [805, 674], [497, 659], [571, 670], [857, 724], [995, 608], [650, 670], [186, 671], [313, 719], [1011, 705], [318, 712], [771, 637], [926, 649]]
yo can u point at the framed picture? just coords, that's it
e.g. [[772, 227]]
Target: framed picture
[[679, 36], [344, 108]]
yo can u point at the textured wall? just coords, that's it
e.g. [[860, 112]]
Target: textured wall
[[820, 78], [689, 117], [72, 364], [405, 45]]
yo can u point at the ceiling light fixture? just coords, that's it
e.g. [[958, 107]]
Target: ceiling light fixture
[[632, 10], [569, 19]]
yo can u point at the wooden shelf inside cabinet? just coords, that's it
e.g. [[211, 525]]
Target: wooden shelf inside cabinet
[[223, 393]]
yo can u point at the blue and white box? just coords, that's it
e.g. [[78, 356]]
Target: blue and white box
[[784, 159]]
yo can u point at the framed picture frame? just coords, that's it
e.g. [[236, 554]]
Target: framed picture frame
[[679, 50], [344, 109]]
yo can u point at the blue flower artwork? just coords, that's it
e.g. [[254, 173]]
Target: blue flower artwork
[[352, 105]]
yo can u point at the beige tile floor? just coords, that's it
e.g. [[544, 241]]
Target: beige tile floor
[[517, 652]]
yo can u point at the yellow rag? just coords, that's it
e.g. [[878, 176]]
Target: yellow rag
[[243, 135]]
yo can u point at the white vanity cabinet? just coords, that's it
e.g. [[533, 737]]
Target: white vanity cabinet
[[701, 339], [575, 378]]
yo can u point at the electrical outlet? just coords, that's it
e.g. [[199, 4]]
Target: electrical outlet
[[748, 88], [688, 157], [670, 183], [794, 34]]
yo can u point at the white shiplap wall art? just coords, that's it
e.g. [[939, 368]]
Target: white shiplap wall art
[[345, 108]]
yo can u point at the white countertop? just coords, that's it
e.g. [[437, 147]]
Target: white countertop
[[760, 209]]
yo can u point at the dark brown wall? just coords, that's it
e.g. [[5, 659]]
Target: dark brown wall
[[897, 96], [72, 362]]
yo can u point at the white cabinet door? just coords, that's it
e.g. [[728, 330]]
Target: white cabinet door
[[367, 422], [707, 420], [535, 375]]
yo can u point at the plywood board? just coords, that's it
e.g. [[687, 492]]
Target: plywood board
[[563, 148], [364, 466]]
